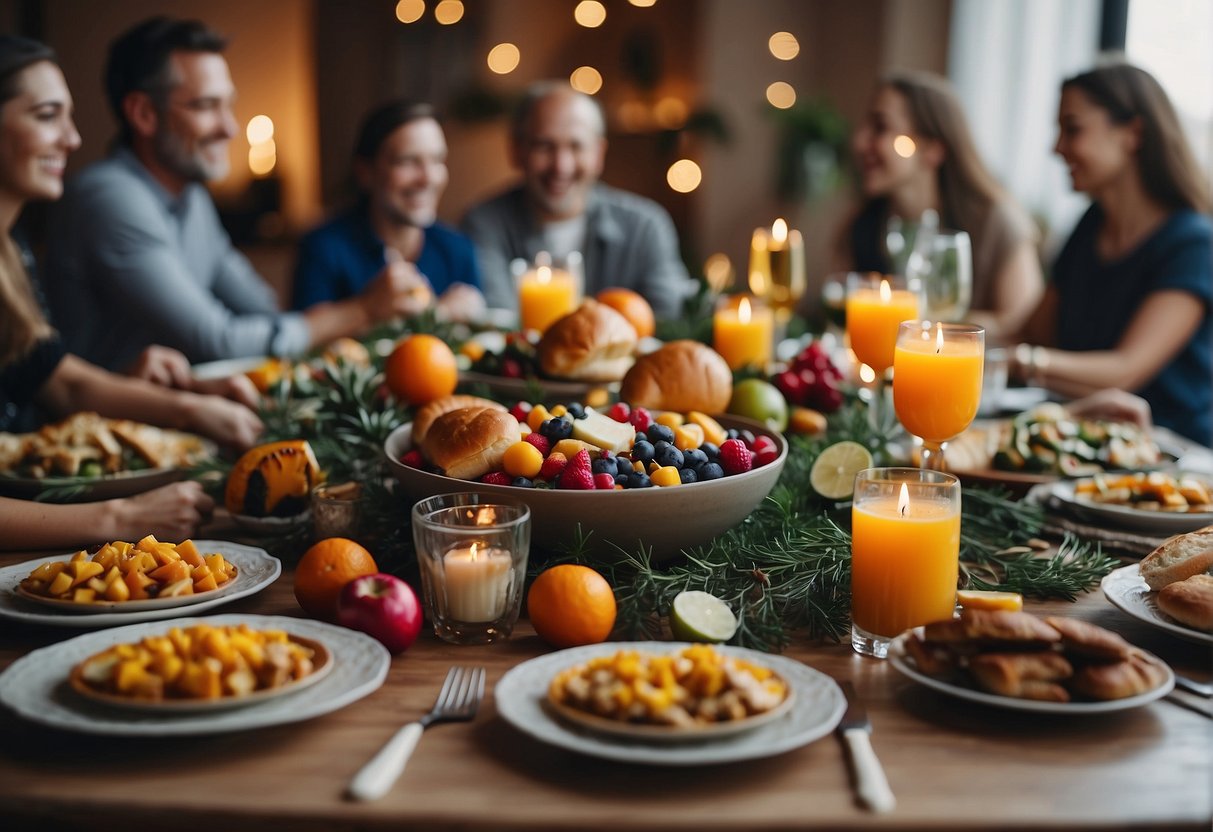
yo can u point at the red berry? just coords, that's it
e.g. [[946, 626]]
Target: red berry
[[826, 397], [604, 482], [619, 411], [552, 466], [735, 457], [496, 478], [576, 478], [510, 368], [581, 460], [641, 419], [763, 443], [791, 386], [413, 459], [765, 456], [520, 411], [539, 441], [808, 378]]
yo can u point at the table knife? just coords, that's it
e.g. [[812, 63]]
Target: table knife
[[870, 782]]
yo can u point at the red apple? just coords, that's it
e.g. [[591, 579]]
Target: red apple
[[382, 606]]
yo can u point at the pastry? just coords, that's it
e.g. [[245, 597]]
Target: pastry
[[1003, 628], [1023, 675], [428, 413], [592, 343], [1087, 641], [471, 441], [1131, 677]]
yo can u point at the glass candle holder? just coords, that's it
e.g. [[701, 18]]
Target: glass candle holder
[[472, 556], [549, 291], [905, 553], [337, 510], [743, 332]]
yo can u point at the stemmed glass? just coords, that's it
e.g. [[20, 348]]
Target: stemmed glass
[[947, 276], [937, 369], [876, 305]]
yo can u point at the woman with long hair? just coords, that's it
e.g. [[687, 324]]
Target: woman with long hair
[[938, 169], [36, 136], [1129, 302]]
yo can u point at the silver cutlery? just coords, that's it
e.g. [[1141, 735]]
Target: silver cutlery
[[457, 702], [1199, 688], [870, 780]]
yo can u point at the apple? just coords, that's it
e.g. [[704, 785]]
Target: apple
[[755, 399], [382, 606]]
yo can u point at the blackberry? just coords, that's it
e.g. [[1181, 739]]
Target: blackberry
[[687, 475], [711, 471], [522, 482], [666, 454], [604, 466], [638, 480], [576, 410], [660, 433], [710, 450], [643, 451]]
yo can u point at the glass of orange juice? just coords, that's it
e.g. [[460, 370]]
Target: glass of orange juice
[[905, 553], [876, 305], [937, 370]]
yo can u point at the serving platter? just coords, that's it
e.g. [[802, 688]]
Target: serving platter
[[1142, 520], [1128, 591]]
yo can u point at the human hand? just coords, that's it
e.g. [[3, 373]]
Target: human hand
[[461, 302], [1114, 404], [224, 421], [398, 291], [238, 388], [164, 366], [172, 512]]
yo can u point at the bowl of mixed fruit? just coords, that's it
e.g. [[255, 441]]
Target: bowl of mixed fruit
[[625, 476]]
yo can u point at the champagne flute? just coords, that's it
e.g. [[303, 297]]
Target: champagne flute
[[937, 370], [948, 276], [876, 305]]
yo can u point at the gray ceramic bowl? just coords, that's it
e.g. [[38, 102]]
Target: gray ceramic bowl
[[665, 519]]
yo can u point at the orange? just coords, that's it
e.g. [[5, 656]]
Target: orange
[[571, 605], [421, 368], [324, 569], [632, 306]]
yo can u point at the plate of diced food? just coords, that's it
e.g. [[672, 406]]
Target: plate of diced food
[[1151, 501], [1018, 661], [122, 581], [89, 457]]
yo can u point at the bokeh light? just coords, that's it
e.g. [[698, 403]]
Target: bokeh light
[[781, 95], [586, 79], [410, 11], [784, 46], [590, 14], [260, 129], [643, 4], [448, 12], [504, 58], [904, 146], [718, 271], [262, 157], [684, 176], [670, 112]]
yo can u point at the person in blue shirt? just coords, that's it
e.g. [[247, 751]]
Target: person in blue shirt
[[400, 168], [1129, 303]]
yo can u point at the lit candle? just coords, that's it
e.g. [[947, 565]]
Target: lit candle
[[477, 582], [785, 255], [544, 296], [743, 334], [937, 383], [873, 316], [904, 561]]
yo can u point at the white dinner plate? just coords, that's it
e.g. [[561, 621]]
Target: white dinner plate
[[1153, 522], [36, 685], [1127, 590], [521, 698], [227, 367], [906, 667], [255, 570]]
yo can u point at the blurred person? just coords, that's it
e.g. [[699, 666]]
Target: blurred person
[[141, 257], [401, 171], [37, 134], [943, 173], [558, 143], [1129, 302]]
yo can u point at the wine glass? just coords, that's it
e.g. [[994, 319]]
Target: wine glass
[[937, 370], [947, 276], [876, 305]]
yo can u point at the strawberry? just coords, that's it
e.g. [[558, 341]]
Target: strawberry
[[735, 457], [520, 411], [581, 460], [539, 441], [604, 482], [413, 459], [576, 479], [496, 478], [619, 411], [552, 466], [641, 419]]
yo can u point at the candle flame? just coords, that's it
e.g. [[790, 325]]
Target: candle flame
[[886, 292], [743, 311], [866, 374], [474, 545], [759, 241], [779, 231], [487, 516], [938, 338], [544, 274], [903, 501]]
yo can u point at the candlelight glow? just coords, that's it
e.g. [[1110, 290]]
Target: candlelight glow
[[474, 545], [487, 516], [633, 116], [781, 95], [784, 46], [586, 79], [643, 4], [590, 14], [260, 129], [410, 11], [670, 112], [886, 292], [904, 146], [262, 157], [503, 58], [684, 176], [758, 282], [543, 274], [718, 270], [779, 231], [448, 12], [866, 374], [903, 500], [743, 311]]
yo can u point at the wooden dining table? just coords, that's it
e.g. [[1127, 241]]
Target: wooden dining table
[[952, 764]]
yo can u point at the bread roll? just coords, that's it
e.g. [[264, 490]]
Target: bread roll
[[1135, 676], [1087, 641], [469, 442], [1189, 601], [592, 343], [431, 411], [682, 376], [1180, 557]]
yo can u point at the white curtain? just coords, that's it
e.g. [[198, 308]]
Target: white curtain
[[1007, 59]]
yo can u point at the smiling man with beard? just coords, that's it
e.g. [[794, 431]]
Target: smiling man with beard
[[140, 256]]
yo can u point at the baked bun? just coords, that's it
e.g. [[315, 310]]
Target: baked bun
[[1132, 677], [469, 442], [426, 414], [681, 376], [1189, 601], [592, 343], [1178, 558]]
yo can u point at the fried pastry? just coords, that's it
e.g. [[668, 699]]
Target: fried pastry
[[931, 660], [1000, 628], [1023, 675], [1131, 677], [1087, 641]]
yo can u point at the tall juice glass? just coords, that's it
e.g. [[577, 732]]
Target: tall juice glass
[[937, 372], [905, 553], [876, 306]]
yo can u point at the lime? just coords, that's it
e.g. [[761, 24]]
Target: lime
[[833, 472], [700, 616], [981, 599]]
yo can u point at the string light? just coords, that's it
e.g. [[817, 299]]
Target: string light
[[448, 12], [260, 129], [590, 14], [410, 11], [586, 79], [503, 58], [781, 95], [684, 176], [784, 46]]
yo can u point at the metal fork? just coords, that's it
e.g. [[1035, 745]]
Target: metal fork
[[457, 702]]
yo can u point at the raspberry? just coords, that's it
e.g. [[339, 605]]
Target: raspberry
[[497, 478], [539, 441], [413, 459], [576, 478], [552, 466], [604, 481], [735, 457], [641, 419], [520, 410], [619, 411]]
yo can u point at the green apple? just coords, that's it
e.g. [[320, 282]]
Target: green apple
[[756, 399]]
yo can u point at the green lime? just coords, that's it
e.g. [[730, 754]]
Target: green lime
[[699, 616], [833, 472]]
